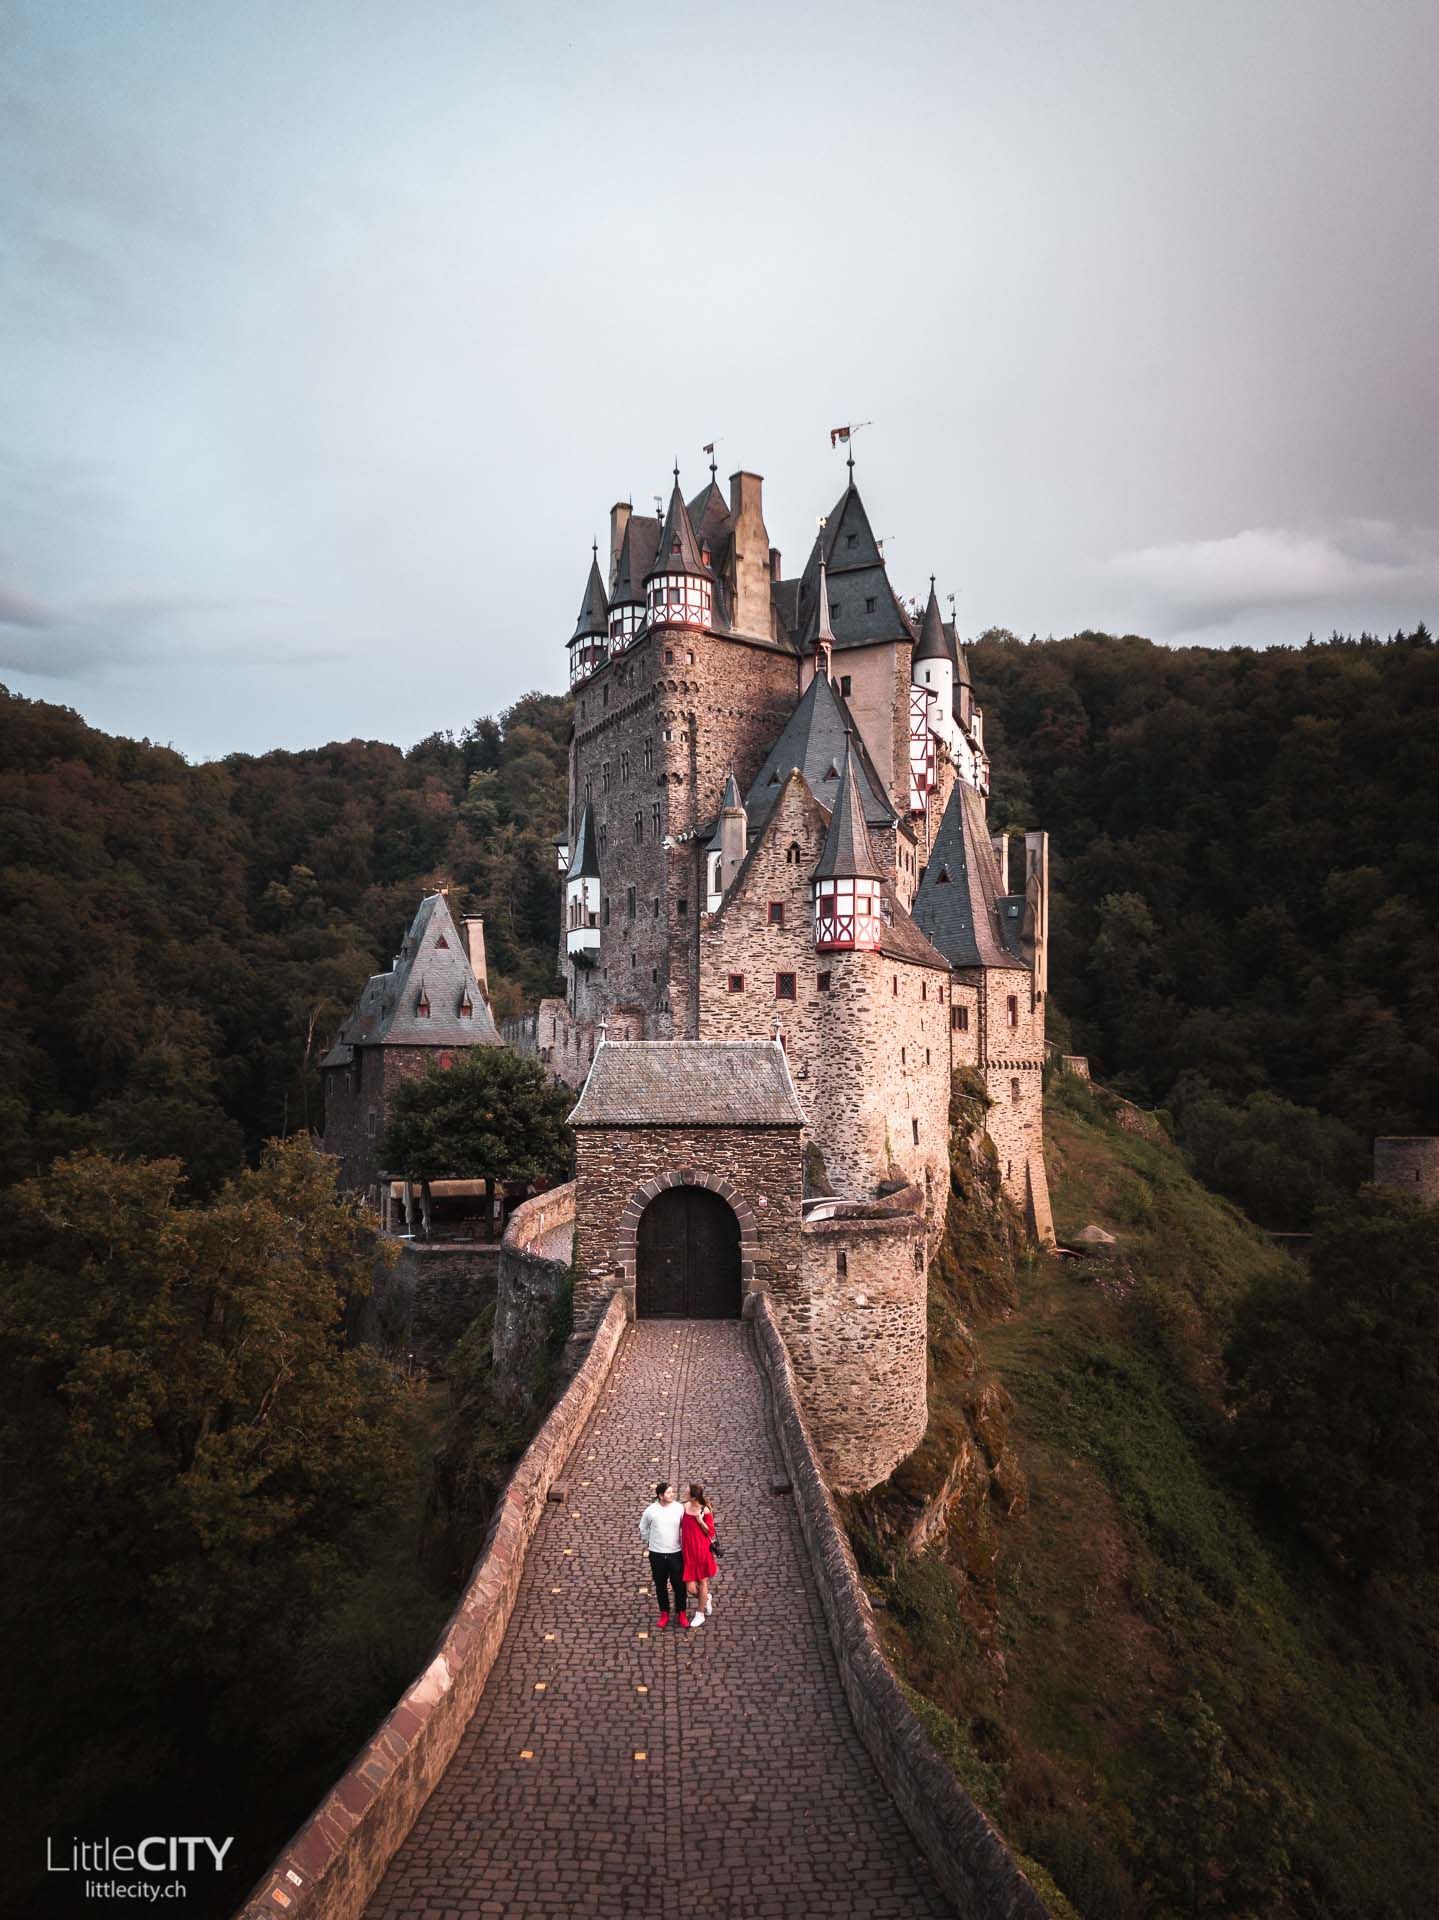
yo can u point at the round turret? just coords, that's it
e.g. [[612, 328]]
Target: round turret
[[679, 587], [848, 897]]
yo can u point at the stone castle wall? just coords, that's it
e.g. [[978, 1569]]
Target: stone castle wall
[[1011, 1060], [356, 1101], [534, 1270], [1409, 1163], [758, 1170], [869, 1052], [660, 726], [858, 1344]]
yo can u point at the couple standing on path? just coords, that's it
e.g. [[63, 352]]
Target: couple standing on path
[[680, 1540]]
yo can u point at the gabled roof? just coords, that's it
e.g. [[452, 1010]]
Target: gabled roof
[[432, 964], [847, 854], [595, 607], [901, 939], [934, 643], [815, 739], [848, 537], [730, 802], [636, 555], [585, 856], [958, 902], [678, 550], [690, 1083]]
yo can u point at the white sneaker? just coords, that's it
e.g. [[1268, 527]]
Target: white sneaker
[[698, 1619]]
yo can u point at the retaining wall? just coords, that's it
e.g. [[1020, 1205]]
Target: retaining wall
[[973, 1865], [532, 1278], [334, 1863]]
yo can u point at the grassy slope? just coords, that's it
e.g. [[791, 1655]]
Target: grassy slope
[[1167, 1701]]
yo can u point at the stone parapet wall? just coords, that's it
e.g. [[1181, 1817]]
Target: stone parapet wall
[[334, 1863], [534, 1270], [1408, 1163], [859, 1354], [968, 1854], [422, 1305]]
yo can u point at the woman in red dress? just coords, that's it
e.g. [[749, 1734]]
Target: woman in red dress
[[697, 1532]]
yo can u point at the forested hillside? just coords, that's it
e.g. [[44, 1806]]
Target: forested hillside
[[1247, 864], [182, 941]]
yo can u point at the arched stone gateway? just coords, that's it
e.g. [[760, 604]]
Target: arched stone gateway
[[687, 1257]]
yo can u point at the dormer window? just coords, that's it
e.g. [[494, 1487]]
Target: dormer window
[[422, 1006], [851, 539], [442, 941], [467, 1011]]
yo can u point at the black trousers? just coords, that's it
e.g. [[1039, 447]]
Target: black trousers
[[668, 1570]]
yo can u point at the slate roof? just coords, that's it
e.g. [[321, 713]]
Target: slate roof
[[595, 607], [636, 556], [710, 517], [729, 800], [815, 739], [847, 853], [958, 904], [934, 643], [432, 960], [856, 576], [678, 550], [902, 939], [688, 1083], [958, 655], [585, 858]]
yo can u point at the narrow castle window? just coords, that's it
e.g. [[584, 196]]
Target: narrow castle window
[[639, 827], [607, 909], [604, 776], [624, 765], [914, 1129], [959, 1019], [869, 603], [1012, 1009], [656, 909], [649, 753], [904, 1056], [834, 609], [736, 983], [655, 819], [1014, 1091], [682, 907], [821, 981], [844, 685], [784, 986], [776, 913], [926, 1056], [372, 1123], [894, 985], [841, 1263], [669, 656], [791, 854]]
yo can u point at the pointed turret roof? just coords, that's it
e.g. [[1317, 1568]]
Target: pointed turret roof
[[678, 550], [865, 607], [847, 853], [933, 642], [961, 904], [958, 655], [585, 855], [636, 555], [730, 802], [710, 516], [595, 607], [433, 967], [815, 739]]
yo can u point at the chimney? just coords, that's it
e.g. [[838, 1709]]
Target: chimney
[[753, 610], [1000, 843], [475, 944], [619, 521], [774, 568]]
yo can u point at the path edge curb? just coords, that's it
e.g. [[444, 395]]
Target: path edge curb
[[969, 1856], [330, 1868]]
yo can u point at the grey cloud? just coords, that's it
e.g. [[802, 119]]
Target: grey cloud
[[1210, 583]]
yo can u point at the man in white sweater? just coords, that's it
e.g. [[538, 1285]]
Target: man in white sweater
[[660, 1531]]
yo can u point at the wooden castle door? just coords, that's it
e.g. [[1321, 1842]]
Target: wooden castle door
[[687, 1257]]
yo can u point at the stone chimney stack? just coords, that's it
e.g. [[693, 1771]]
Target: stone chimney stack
[[475, 946], [1036, 888], [1000, 843], [752, 607], [619, 521]]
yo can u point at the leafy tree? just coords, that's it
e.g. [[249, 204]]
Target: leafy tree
[[1335, 1384], [492, 1115]]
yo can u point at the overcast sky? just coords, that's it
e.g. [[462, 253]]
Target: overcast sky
[[329, 332]]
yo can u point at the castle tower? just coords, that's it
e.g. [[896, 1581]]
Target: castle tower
[[589, 643], [848, 878], [679, 587], [726, 851]]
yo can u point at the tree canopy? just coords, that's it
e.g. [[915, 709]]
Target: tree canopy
[[491, 1115]]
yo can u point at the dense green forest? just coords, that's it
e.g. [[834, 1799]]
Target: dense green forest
[[1247, 865]]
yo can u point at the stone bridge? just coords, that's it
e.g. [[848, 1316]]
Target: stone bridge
[[560, 1756]]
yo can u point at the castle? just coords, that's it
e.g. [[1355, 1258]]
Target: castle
[[785, 924]]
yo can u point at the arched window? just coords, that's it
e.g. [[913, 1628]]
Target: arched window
[[791, 854]]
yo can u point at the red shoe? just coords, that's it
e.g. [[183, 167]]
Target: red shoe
[[684, 1619], [663, 1622]]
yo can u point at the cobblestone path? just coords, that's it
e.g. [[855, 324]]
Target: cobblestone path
[[613, 1770]]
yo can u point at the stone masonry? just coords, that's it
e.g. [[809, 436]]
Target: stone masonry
[[613, 1770]]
